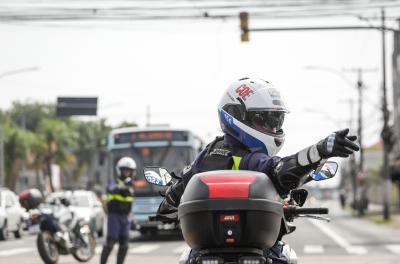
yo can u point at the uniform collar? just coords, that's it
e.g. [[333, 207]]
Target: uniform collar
[[231, 141]]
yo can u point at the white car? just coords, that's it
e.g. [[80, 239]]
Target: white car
[[11, 217], [86, 205]]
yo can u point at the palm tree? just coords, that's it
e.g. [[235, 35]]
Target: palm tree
[[59, 140]]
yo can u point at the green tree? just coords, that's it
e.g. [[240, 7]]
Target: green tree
[[34, 137], [59, 141], [91, 142], [28, 115], [127, 124], [17, 144]]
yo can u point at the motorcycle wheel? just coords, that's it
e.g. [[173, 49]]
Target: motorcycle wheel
[[84, 254], [47, 247]]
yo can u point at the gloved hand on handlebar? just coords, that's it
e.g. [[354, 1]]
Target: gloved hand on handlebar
[[174, 193], [337, 144], [171, 199]]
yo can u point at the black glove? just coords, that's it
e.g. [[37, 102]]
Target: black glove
[[337, 144], [166, 209], [174, 193]]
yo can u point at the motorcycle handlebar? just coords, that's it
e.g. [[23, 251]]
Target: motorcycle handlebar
[[294, 211], [321, 210]]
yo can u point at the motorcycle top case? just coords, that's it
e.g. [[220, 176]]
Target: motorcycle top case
[[222, 209], [30, 199]]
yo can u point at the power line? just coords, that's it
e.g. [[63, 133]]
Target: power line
[[141, 10]]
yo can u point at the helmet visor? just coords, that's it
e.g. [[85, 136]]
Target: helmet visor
[[267, 122]]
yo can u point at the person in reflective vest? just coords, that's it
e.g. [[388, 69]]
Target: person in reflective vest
[[251, 114], [119, 205]]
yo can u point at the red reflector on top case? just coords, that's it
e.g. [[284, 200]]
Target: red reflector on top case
[[230, 240], [229, 218], [227, 186]]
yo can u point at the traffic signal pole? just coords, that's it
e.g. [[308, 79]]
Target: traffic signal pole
[[385, 131]]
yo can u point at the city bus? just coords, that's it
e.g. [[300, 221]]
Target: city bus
[[158, 146]]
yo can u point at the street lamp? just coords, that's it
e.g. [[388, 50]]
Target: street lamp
[[2, 75], [18, 71]]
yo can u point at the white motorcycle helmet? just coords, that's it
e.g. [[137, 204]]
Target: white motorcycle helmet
[[252, 111], [125, 163]]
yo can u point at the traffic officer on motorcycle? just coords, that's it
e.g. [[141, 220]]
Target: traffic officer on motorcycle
[[119, 204], [251, 114]]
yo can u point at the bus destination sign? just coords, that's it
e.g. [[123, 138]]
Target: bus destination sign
[[146, 136]]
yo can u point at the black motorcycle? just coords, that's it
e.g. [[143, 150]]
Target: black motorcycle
[[234, 216], [61, 233]]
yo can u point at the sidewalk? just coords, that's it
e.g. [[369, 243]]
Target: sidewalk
[[375, 215]]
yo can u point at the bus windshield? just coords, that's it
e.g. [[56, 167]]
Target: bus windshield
[[169, 157]]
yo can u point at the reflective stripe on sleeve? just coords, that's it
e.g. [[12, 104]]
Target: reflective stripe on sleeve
[[308, 156]]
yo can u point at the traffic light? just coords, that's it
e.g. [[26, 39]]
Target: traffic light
[[244, 26]]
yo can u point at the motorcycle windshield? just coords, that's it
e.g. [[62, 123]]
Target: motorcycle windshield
[[169, 157]]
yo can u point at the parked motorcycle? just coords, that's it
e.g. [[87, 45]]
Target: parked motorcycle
[[61, 233], [233, 216]]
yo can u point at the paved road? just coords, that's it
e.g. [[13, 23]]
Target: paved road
[[344, 240]]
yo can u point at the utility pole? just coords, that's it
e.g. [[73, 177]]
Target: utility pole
[[360, 90], [396, 108], [385, 131], [352, 160]]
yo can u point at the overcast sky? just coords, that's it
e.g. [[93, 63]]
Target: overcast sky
[[181, 69]]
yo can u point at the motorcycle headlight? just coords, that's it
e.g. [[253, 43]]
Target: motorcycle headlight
[[252, 260], [210, 260]]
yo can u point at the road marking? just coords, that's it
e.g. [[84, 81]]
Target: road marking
[[179, 250], [357, 250], [143, 249], [98, 249], [313, 249], [16, 251], [395, 249]]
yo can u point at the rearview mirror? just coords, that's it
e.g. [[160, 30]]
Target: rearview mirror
[[157, 175], [326, 171]]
